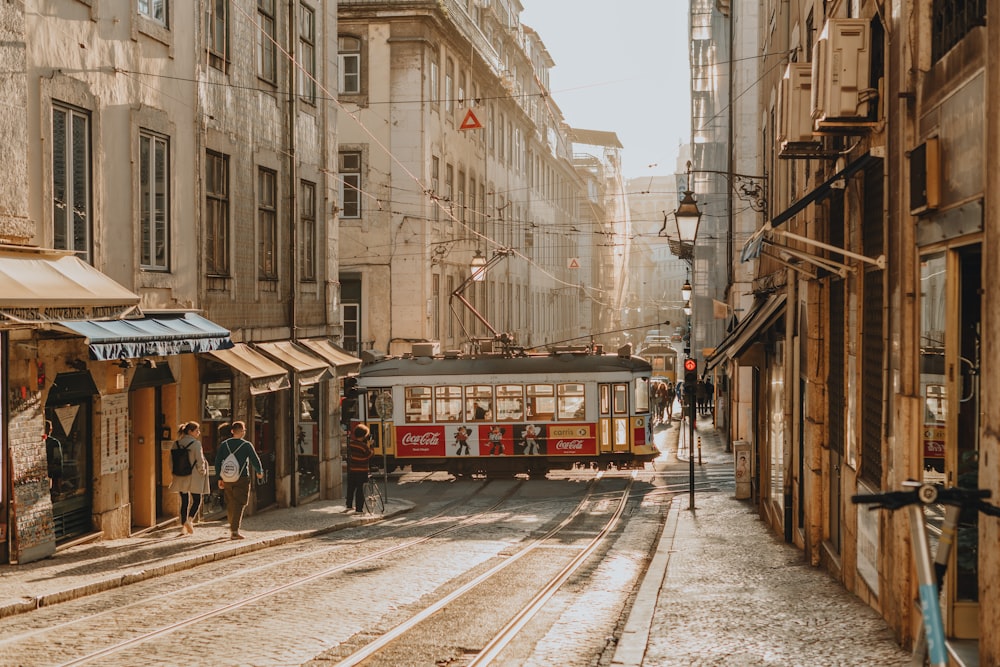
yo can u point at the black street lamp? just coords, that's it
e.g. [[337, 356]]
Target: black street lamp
[[687, 217]]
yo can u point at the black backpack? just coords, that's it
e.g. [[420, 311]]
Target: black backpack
[[180, 462]]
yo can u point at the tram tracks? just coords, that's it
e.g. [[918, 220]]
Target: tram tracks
[[508, 633], [266, 570]]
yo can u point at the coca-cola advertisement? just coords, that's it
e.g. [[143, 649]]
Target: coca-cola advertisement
[[571, 440], [420, 441]]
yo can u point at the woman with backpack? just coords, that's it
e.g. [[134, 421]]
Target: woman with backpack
[[192, 486]]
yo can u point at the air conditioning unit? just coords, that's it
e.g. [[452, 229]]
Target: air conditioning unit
[[925, 177], [841, 74], [794, 132]]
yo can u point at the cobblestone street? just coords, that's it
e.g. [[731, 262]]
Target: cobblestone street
[[725, 590]]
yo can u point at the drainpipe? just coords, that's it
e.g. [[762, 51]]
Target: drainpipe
[[293, 267]]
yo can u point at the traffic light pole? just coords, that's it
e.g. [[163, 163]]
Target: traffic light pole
[[690, 390]]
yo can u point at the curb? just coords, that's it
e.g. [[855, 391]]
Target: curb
[[634, 638]]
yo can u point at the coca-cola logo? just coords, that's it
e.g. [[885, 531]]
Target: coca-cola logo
[[569, 445], [424, 439]]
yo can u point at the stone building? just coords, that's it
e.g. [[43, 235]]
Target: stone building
[[452, 150], [170, 229], [861, 361]]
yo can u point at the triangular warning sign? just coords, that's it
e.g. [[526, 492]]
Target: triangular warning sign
[[470, 122], [574, 263]]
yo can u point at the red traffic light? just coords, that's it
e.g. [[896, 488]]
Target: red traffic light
[[690, 365]]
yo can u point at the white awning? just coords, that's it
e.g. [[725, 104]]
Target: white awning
[[40, 285], [309, 368], [265, 376], [337, 357]]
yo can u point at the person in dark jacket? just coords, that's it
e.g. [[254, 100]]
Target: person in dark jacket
[[359, 453], [238, 493]]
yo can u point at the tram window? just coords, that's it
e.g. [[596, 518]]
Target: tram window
[[479, 403], [447, 404], [621, 399], [570, 402], [605, 399], [541, 402], [418, 405], [510, 402], [642, 388]]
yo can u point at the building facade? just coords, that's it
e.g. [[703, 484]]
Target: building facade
[[861, 361], [451, 150], [170, 240]]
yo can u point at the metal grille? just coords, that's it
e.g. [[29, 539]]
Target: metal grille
[[952, 20], [835, 380], [872, 381], [873, 229]]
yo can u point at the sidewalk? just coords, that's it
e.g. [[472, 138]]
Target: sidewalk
[[723, 589], [99, 566]]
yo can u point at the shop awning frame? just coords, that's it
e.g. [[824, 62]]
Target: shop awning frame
[[308, 368], [42, 285], [150, 336], [760, 318], [338, 358], [771, 233], [265, 375]]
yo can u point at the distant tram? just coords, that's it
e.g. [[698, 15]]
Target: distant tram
[[507, 415], [662, 356]]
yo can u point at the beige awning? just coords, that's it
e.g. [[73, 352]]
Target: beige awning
[[309, 368], [40, 285], [265, 375], [762, 315], [336, 356]]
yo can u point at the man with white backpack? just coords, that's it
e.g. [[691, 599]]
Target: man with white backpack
[[233, 460]]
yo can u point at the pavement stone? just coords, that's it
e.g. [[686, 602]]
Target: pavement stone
[[723, 589], [84, 569]]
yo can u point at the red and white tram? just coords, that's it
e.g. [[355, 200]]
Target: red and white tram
[[498, 414]]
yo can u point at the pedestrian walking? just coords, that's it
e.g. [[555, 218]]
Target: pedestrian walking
[[670, 395], [709, 396], [359, 454], [193, 486], [54, 459], [237, 493]]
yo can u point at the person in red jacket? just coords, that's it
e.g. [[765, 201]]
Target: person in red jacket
[[359, 453]]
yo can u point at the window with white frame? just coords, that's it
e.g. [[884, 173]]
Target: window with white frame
[[307, 231], [154, 10], [217, 33], [307, 53], [432, 80], [350, 184], [449, 86], [267, 224], [435, 187], [154, 201], [349, 55], [267, 62], [71, 196]]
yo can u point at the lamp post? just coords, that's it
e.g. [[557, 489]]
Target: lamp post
[[687, 216]]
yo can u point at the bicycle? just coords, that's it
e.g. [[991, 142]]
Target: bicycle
[[930, 575], [374, 500]]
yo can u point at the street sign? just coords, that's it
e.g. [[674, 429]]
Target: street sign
[[470, 122], [383, 405]]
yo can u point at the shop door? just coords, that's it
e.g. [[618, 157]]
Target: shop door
[[951, 311], [69, 454], [307, 440], [265, 434]]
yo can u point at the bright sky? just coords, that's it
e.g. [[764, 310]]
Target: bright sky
[[621, 67]]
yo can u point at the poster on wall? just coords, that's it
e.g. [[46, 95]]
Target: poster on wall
[[867, 551], [114, 433]]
